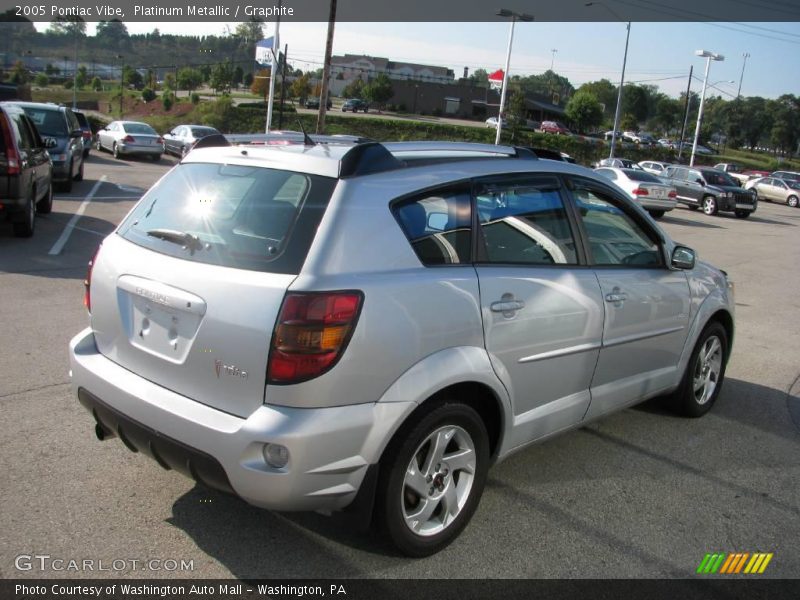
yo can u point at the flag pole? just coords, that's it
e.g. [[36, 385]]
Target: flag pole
[[276, 44]]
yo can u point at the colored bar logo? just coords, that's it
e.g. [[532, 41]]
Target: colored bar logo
[[734, 563]]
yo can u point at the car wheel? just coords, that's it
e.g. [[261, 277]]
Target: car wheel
[[742, 214], [156, 157], [704, 374], [710, 205], [86, 152], [115, 151], [656, 214], [27, 220], [98, 145], [79, 176], [432, 477], [792, 201], [45, 205], [184, 151]]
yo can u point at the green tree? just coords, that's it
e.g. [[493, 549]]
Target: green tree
[[148, 95], [68, 26], [19, 73], [669, 114], [189, 79], [379, 90], [546, 85], [169, 81], [167, 99], [42, 80], [628, 122], [584, 110], [131, 76], [112, 35], [355, 89], [634, 103], [97, 85], [480, 77], [237, 77], [606, 94], [81, 77], [221, 75], [301, 88]]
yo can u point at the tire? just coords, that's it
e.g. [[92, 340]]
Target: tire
[[115, 152], [45, 205], [710, 206], [413, 479], [66, 186], [27, 223], [742, 214], [98, 146], [184, 151], [704, 374], [156, 157], [656, 214], [79, 176], [792, 201]]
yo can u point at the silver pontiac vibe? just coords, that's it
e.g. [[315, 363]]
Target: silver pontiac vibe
[[364, 326]]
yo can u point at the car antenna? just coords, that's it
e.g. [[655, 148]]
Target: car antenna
[[306, 138]]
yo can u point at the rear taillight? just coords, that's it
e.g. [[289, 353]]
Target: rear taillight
[[672, 194], [160, 140], [12, 156], [87, 283], [640, 191], [311, 334], [128, 138]]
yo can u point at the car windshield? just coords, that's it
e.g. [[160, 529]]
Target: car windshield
[[718, 178], [636, 175], [48, 121], [139, 128]]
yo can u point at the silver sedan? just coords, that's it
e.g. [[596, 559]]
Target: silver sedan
[[130, 138], [655, 196]]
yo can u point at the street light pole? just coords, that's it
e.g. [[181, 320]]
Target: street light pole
[[553, 59], [618, 110], [504, 12], [745, 56], [709, 56]]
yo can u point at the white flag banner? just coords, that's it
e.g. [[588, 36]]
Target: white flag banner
[[264, 51]]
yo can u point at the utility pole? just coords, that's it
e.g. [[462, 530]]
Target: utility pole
[[283, 85], [276, 50], [326, 70], [685, 112], [745, 55]]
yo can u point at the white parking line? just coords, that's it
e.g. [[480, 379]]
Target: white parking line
[[62, 240]]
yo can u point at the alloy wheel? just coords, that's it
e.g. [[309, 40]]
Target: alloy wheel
[[707, 370]]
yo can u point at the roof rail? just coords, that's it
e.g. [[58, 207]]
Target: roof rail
[[376, 157]]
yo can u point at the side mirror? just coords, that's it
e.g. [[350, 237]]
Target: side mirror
[[683, 258]]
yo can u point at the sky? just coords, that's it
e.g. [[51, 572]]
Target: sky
[[659, 53]]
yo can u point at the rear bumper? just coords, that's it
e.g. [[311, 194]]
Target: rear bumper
[[330, 449], [653, 204], [61, 171], [134, 149]]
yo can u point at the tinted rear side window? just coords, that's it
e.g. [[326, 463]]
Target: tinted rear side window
[[237, 216], [48, 121]]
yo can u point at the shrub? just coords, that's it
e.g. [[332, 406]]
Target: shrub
[[167, 99], [68, 84], [148, 95], [42, 80], [195, 98]]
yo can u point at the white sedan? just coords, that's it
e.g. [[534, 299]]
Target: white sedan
[[655, 196], [492, 122], [130, 138]]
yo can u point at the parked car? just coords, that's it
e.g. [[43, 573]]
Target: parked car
[[735, 171], [609, 134], [313, 103], [256, 323], [656, 167], [701, 149], [618, 163], [775, 189], [555, 127], [59, 128], [667, 143], [86, 130], [710, 189], [130, 138], [492, 122], [181, 139], [655, 196], [26, 171], [793, 175], [355, 105], [639, 137]]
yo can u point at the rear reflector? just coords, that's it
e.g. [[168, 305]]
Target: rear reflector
[[311, 334], [87, 283]]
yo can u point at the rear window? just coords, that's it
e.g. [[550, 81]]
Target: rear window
[[81, 119], [203, 131], [48, 121], [143, 128], [636, 175], [236, 216]]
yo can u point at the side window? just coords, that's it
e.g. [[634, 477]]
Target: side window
[[438, 225], [21, 133], [525, 222], [615, 238], [36, 139]]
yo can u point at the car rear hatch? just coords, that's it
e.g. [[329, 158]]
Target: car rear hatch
[[187, 291]]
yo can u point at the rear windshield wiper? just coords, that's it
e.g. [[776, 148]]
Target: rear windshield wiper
[[184, 238]]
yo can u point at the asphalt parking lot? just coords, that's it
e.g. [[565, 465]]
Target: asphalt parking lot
[[641, 494]]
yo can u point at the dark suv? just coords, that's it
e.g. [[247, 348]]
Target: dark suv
[[63, 138], [710, 189], [25, 170], [355, 105]]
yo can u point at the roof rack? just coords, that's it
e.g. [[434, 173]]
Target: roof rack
[[364, 159], [280, 138]]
